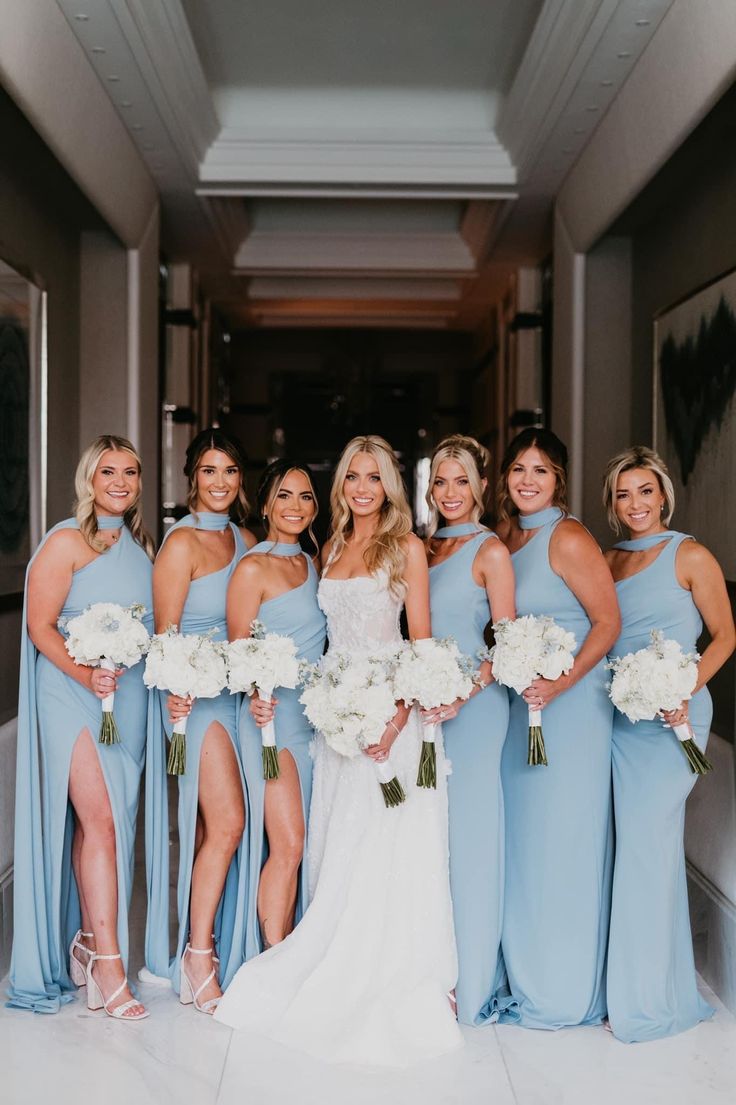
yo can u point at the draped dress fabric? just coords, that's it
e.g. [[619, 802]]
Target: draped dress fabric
[[204, 611], [559, 843], [652, 990], [473, 742], [363, 978], [53, 710], [294, 614]]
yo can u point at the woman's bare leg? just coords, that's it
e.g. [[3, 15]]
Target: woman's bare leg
[[284, 826]]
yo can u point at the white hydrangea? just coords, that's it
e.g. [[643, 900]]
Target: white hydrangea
[[261, 662], [349, 700], [528, 648], [432, 672], [658, 677], [186, 664], [107, 631]]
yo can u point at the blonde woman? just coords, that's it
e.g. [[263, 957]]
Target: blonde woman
[[77, 799], [471, 583], [364, 978], [665, 580]]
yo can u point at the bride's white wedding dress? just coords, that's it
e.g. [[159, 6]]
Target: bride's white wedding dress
[[364, 977]]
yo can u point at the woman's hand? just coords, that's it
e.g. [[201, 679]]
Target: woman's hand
[[438, 714], [103, 682], [680, 716], [380, 752], [262, 710], [179, 706], [543, 691]]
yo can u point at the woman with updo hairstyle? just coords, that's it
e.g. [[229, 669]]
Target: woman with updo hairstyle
[[364, 977], [666, 581], [471, 583], [77, 799], [190, 579], [558, 817], [276, 583]]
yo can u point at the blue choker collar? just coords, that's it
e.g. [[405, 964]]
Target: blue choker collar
[[646, 542], [278, 548], [109, 521], [205, 519], [462, 529], [539, 518]]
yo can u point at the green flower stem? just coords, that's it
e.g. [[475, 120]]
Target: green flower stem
[[177, 764], [537, 752], [108, 730], [427, 774], [393, 793], [699, 765], [270, 757]]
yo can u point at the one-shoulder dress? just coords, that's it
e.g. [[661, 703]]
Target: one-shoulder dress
[[53, 709], [473, 742], [204, 611], [294, 614], [652, 990], [559, 846]]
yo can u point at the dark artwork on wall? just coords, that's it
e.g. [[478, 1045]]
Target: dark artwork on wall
[[14, 387], [695, 432]]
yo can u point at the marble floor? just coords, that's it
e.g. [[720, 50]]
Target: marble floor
[[178, 1057]]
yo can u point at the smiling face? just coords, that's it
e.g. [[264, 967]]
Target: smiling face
[[116, 483], [531, 481], [452, 493], [218, 482], [362, 488], [292, 507], [638, 501]]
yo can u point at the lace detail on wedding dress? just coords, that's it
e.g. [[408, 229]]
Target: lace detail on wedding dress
[[364, 977]]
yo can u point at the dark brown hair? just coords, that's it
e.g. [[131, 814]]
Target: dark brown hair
[[555, 452], [215, 438]]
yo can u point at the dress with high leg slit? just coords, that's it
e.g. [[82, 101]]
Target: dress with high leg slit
[[294, 614], [53, 710], [652, 989], [204, 612]]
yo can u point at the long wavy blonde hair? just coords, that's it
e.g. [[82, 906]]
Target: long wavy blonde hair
[[473, 459], [84, 506], [385, 550]]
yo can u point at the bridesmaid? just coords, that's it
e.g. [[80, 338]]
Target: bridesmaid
[[471, 583], [665, 580], [558, 818], [77, 800], [277, 584], [190, 579]]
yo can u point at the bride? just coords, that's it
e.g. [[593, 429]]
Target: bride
[[365, 977]]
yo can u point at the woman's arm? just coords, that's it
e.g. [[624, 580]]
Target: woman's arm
[[172, 574], [49, 581], [244, 597], [576, 558], [699, 571], [416, 600]]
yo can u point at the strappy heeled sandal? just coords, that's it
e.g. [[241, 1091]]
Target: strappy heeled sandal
[[78, 970], [95, 1000], [187, 994]]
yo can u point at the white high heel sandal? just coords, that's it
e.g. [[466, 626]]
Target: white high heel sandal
[[77, 970], [187, 994], [95, 1000]]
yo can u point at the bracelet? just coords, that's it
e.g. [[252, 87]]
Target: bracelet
[[395, 727], [483, 685]]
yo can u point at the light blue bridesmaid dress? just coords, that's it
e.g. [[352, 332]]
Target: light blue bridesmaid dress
[[558, 822], [293, 614], [204, 610], [473, 742], [53, 709], [651, 974]]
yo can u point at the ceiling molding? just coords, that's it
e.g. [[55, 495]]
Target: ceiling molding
[[341, 288], [299, 253], [235, 159]]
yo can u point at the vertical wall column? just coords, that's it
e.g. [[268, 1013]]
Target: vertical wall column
[[568, 353], [181, 387]]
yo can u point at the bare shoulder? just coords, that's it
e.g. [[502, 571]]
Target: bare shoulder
[[179, 547], [414, 548], [694, 558], [571, 538], [326, 551], [249, 538], [492, 553], [249, 569], [65, 548]]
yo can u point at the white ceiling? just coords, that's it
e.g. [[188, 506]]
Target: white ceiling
[[386, 161]]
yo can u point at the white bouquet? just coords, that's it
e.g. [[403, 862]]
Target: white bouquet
[[257, 664], [108, 636], [529, 648], [185, 664], [351, 701], [656, 678], [431, 672]]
